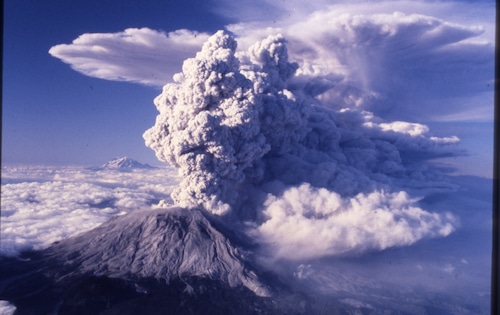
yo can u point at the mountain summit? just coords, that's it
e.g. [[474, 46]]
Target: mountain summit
[[164, 244], [162, 261], [124, 164]]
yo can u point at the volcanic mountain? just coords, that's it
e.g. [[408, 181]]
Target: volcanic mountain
[[163, 261], [122, 164]]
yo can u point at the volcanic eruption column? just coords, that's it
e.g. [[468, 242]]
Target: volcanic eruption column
[[239, 124]]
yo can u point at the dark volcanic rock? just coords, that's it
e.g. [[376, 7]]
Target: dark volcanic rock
[[87, 294], [101, 295]]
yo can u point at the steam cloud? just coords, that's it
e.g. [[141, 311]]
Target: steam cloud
[[242, 128], [307, 222]]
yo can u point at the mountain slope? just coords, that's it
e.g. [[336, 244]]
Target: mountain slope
[[162, 244], [164, 261]]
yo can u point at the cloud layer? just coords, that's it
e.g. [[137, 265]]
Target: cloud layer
[[44, 205]]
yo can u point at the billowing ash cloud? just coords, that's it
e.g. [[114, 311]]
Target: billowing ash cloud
[[220, 118], [308, 222], [418, 64], [241, 130]]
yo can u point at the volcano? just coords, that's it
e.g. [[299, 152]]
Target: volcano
[[162, 261]]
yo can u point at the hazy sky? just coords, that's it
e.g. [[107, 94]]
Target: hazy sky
[[53, 114]]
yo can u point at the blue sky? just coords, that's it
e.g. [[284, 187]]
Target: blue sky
[[55, 115]]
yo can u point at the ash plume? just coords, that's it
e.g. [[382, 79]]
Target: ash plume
[[246, 135]]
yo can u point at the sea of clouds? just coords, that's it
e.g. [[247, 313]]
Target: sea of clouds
[[42, 205]]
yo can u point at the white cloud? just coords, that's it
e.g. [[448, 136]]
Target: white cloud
[[413, 129], [142, 55], [6, 308], [42, 205], [306, 223]]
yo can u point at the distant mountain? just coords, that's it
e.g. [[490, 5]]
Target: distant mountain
[[123, 164]]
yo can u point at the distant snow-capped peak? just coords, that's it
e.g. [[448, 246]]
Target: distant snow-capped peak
[[124, 163]]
